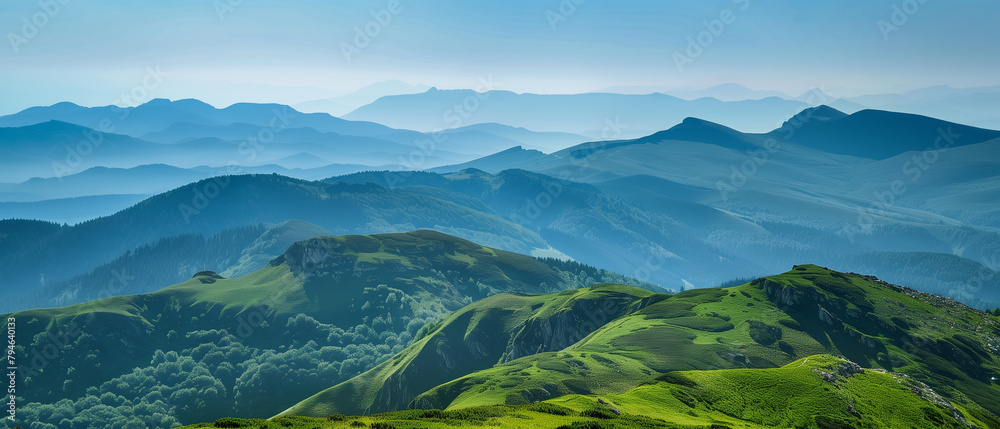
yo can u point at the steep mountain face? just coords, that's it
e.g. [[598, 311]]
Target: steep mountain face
[[324, 311], [271, 244], [766, 323]]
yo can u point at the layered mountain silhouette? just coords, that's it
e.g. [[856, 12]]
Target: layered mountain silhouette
[[430, 260], [65, 139], [597, 115]]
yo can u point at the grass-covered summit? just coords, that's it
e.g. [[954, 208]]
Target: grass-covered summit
[[326, 310], [767, 323], [497, 329], [820, 391]]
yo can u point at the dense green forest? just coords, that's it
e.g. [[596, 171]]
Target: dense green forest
[[323, 312]]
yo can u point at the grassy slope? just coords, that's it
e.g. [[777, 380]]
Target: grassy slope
[[325, 278], [474, 338], [766, 323], [819, 391]]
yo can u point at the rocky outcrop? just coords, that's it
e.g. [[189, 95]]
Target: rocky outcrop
[[562, 329], [845, 370], [926, 393]]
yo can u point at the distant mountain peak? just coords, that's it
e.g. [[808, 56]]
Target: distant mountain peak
[[474, 172], [66, 104], [819, 113], [699, 130], [514, 149], [158, 102], [691, 121], [875, 134]]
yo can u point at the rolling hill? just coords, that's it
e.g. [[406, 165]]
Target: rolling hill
[[325, 310], [950, 349], [496, 329], [820, 391]]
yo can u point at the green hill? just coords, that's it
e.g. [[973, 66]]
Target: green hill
[[497, 329], [767, 323], [326, 310], [820, 391]]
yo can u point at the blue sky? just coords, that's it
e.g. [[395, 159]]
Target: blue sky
[[94, 51]]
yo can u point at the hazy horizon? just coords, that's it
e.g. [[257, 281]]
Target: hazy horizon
[[230, 51]]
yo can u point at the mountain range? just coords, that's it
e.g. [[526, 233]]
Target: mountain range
[[443, 258], [769, 197], [599, 116], [64, 139], [428, 321], [664, 208], [325, 309], [630, 338]]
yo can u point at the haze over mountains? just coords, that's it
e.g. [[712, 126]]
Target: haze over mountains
[[694, 205], [725, 214], [246, 211]]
